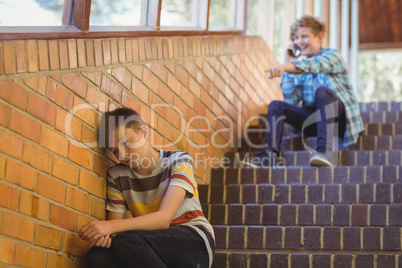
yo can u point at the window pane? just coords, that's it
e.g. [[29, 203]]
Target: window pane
[[31, 12], [180, 13], [222, 14], [116, 13]]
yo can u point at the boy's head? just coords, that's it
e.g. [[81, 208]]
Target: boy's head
[[316, 27], [307, 34], [113, 124]]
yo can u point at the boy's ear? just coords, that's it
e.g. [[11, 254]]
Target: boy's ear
[[144, 131], [321, 37]]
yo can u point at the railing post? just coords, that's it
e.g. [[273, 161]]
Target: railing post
[[355, 48], [318, 8], [345, 30], [333, 24]]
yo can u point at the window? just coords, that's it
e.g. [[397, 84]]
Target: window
[[31, 12], [125, 18], [185, 13]]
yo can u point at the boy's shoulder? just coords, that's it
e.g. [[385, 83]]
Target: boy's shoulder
[[117, 170]]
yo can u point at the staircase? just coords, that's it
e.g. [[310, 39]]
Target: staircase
[[300, 216]]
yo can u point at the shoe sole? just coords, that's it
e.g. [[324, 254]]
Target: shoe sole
[[318, 162]]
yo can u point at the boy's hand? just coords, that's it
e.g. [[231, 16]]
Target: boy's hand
[[94, 230], [104, 241], [274, 71]]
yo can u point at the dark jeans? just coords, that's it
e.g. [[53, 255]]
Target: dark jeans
[[320, 120], [178, 246]]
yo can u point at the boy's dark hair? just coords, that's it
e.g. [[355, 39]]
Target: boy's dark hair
[[311, 22], [113, 119]]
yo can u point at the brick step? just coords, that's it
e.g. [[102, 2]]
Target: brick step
[[342, 158], [380, 106], [370, 129], [368, 117], [307, 174], [299, 144], [350, 238], [296, 259], [382, 193], [304, 214]]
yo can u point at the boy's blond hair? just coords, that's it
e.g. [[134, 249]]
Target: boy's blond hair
[[311, 22]]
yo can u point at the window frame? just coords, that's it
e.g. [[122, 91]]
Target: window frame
[[76, 17]]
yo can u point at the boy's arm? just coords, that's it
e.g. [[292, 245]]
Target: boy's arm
[[277, 70], [160, 219]]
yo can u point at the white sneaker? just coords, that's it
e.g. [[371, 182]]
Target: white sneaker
[[320, 160]]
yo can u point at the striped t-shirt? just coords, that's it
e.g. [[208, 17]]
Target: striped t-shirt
[[126, 189]]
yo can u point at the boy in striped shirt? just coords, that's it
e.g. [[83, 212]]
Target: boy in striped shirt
[[167, 227]]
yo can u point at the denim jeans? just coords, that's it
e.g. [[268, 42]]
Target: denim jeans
[[324, 120], [177, 246]]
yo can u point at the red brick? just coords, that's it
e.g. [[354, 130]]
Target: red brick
[[141, 49], [63, 52], [8, 197], [72, 53], [43, 55], [13, 93], [114, 51], [59, 95], [37, 157], [21, 56], [37, 83], [7, 249], [135, 46], [29, 257], [92, 184], [48, 237], [98, 208], [74, 245], [41, 109], [78, 200], [34, 206], [2, 167], [5, 112], [1, 60], [129, 51], [54, 55], [54, 141], [17, 227], [140, 91], [98, 53], [81, 156], [51, 188], [9, 57], [101, 165], [62, 217], [21, 175], [82, 220], [97, 99], [33, 61], [65, 170], [26, 126], [106, 51], [89, 48], [81, 53], [74, 126], [59, 261], [111, 89]]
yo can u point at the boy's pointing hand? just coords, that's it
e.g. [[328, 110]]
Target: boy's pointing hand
[[274, 71]]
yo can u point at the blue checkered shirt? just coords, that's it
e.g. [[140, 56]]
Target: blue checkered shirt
[[328, 69]]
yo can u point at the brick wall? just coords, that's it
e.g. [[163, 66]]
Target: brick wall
[[52, 93]]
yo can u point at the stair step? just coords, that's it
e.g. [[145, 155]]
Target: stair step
[[380, 106], [302, 193], [299, 144], [296, 259], [352, 238], [306, 174], [343, 158], [305, 214], [370, 129]]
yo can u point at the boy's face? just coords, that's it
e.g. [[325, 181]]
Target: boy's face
[[129, 145], [308, 44]]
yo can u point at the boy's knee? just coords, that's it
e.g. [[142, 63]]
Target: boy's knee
[[276, 106], [96, 256], [322, 93]]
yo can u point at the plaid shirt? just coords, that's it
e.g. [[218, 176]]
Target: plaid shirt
[[328, 69]]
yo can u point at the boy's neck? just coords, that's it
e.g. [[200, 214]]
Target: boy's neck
[[153, 157]]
